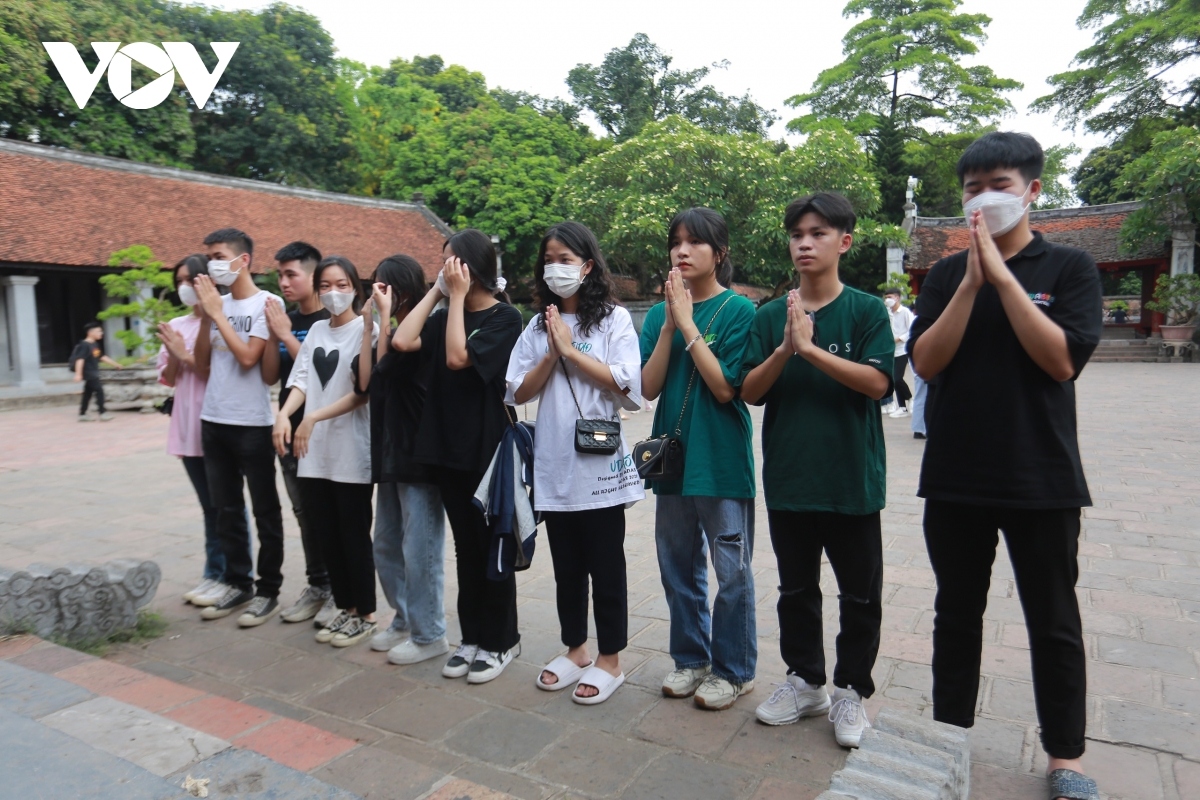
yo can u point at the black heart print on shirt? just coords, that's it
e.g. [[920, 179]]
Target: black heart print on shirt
[[325, 364]]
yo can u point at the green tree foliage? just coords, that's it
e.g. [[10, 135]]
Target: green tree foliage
[[1097, 175], [277, 114], [1167, 179], [493, 169], [35, 104], [457, 88], [144, 287], [1056, 193], [629, 193], [1141, 65], [635, 85], [902, 283]]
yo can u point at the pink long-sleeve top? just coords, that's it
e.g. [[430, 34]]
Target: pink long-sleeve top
[[183, 437]]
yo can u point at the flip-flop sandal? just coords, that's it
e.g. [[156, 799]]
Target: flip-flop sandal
[[568, 673], [1072, 785], [602, 682]]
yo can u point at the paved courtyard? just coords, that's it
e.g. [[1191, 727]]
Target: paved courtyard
[[71, 492]]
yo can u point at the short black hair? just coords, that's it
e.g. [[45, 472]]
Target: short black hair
[[1003, 150], [196, 263], [236, 239], [709, 227], [87, 326], [893, 290], [829, 206], [305, 253], [347, 266]]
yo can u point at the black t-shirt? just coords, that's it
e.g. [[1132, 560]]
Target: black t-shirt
[[398, 387], [300, 325], [90, 352], [1001, 431], [464, 415]]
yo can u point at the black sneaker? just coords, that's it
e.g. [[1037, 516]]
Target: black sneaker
[[918, 435], [259, 611], [234, 598]]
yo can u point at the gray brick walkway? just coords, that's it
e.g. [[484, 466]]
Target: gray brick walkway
[[94, 492]]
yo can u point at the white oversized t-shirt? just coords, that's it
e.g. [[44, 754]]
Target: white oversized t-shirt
[[235, 395], [902, 320], [340, 448], [565, 480]]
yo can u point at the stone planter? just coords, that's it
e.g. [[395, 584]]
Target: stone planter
[[1177, 333], [133, 388]]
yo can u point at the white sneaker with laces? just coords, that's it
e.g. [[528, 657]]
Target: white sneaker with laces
[[791, 701], [327, 614], [889, 408], [388, 638], [489, 664], [898, 413], [410, 652], [204, 586], [684, 682], [717, 694], [848, 716], [326, 634], [310, 601], [212, 596], [460, 663]]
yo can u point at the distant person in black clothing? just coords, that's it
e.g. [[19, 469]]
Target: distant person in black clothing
[[85, 360], [1008, 325], [297, 262]]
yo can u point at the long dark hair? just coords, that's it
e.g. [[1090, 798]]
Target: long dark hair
[[406, 278], [474, 248], [709, 227], [351, 271], [196, 263], [598, 293]]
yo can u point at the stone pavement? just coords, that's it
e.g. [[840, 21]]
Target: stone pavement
[[72, 492]]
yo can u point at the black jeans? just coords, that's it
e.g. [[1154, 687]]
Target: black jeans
[[903, 393], [487, 609], [342, 514], [590, 543], [92, 386], [314, 557], [854, 545], [1043, 545], [231, 451]]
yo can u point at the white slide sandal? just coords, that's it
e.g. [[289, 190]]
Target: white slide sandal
[[567, 671], [602, 682]]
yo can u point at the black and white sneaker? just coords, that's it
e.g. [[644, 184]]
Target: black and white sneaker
[[326, 634], [233, 599], [488, 665], [259, 611], [459, 664], [353, 632]]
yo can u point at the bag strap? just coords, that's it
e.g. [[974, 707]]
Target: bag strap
[[692, 379], [563, 363]]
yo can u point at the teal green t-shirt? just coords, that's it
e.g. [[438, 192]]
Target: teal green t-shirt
[[823, 447], [718, 459]]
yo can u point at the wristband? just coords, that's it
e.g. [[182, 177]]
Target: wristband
[[695, 339]]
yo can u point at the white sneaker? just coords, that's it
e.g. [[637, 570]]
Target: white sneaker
[[204, 586], [488, 664], [212, 596], [310, 602], [460, 663], [899, 412], [848, 716], [326, 634], [791, 701], [409, 652], [717, 694], [327, 614], [889, 408], [388, 638], [684, 682]]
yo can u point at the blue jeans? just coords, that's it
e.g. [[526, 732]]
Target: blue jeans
[[685, 530], [214, 556], [410, 548], [921, 388]]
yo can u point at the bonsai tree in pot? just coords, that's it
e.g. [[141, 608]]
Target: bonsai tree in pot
[[1177, 298]]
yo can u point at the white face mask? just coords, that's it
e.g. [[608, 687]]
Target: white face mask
[[1001, 210], [441, 283], [221, 274], [187, 295], [337, 302], [563, 279]]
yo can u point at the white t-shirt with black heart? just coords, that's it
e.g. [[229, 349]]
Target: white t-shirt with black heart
[[340, 448]]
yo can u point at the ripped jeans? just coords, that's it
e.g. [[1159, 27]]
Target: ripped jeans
[[854, 545], [686, 531]]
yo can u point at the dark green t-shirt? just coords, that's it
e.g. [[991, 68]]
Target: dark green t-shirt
[[822, 442], [718, 456]]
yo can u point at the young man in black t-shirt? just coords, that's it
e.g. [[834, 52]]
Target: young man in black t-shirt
[[1007, 326], [85, 363], [297, 261]]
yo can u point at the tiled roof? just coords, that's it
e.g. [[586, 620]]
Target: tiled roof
[[66, 208], [1095, 229]]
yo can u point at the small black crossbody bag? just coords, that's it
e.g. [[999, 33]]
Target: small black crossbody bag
[[595, 436]]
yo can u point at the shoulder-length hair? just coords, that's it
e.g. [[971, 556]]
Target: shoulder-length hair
[[405, 276], [598, 293], [709, 227], [474, 248]]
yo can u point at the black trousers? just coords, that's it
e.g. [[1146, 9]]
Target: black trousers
[[1043, 545], [231, 451], [854, 545], [591, 544], [310, 540], [92, 386], [487, 609], [903, 393], [340, 514]]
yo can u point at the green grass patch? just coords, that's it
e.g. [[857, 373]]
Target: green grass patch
[[150, 625]]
